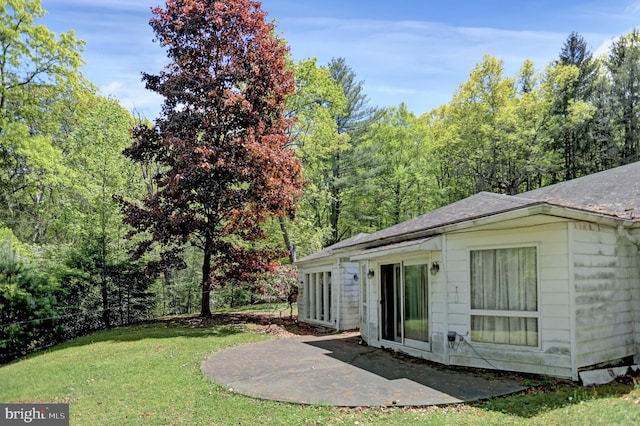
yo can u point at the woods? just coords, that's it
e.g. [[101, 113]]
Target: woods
[[107, 219]]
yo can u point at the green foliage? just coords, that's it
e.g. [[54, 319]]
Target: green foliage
[[353, 123], [38, 71], [397, 171], [316, 140], [492, 136], [178, 290], [29, 308], [623, 65], [101, 291]]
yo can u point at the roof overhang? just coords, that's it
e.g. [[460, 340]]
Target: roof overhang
[[425, 244], [544, 209]]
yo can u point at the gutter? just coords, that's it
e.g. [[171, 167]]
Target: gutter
[[541, 207], [622, 231]]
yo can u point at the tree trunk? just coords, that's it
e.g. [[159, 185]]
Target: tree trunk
[[287, 240], [106, 318], [205, 309]]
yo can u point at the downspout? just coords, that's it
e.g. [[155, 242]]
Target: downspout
[[572, 301], [623, 232]]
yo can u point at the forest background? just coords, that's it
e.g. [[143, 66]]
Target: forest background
[[66, 264]]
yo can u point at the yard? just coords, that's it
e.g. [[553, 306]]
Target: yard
[[150, 374]]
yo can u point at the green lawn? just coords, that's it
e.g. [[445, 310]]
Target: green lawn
[[149, 374]]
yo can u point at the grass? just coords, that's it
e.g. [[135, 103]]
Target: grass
[[149, 374]]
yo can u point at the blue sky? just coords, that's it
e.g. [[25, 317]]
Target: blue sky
[[411, 51]]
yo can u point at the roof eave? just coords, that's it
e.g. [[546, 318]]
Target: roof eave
[[510, 214]]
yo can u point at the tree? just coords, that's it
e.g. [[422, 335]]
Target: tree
[[29, 310], [220, 140], [623, 64], [468, 150], [94, 154], [399, 170], [38, 71], [571, 136], [492, 135], [352, 123], [318, 100]]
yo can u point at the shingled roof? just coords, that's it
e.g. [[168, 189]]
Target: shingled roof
[[614, 192], [329, 251]]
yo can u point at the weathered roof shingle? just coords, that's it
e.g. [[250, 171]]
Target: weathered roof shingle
[[614, 192]]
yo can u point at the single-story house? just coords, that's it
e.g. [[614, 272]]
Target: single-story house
[[545, 282]]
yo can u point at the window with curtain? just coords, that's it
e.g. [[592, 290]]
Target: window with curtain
[[504, 296]]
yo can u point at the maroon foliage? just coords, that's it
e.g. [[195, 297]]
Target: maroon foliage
[[220, 139]]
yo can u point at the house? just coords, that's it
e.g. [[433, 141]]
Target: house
[[545, 282], [329, 288]]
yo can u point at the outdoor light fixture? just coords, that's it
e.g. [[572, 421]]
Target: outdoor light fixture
[[370, 274], [355, 277], [435, 267]]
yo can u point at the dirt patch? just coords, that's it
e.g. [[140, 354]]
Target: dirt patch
[[273, 323]]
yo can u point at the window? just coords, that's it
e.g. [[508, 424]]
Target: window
[[504, 296], [416, 302], [317, 293]]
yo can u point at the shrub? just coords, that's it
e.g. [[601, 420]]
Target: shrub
[[29, 313]]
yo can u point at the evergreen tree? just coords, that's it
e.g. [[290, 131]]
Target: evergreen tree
[[353, 123], [572, 138], [623, 64]]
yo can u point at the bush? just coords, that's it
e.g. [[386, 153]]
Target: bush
[[29, 311], [231, 296]]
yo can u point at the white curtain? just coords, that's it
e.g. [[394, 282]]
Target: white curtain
[[416, 315], [504, 280]]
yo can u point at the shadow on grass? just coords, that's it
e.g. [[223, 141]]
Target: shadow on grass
[[555, 395], [189, 326], [164, 328]]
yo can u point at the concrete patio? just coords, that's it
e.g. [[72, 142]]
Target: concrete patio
[[337, 370]]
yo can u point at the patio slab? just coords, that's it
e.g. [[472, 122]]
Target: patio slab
[[337, 370]]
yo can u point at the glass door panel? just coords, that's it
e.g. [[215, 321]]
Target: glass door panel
[[416, 303]]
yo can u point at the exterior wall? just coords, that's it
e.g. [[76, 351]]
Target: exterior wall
[[553, 355], [347, 296], [450, 301], [302, 296], [606, 280], [437, 309], [345, 291], [588, 297]]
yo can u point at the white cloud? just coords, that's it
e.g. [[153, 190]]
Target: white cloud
[[605, 47], [435, 57], [134, 97], [418, 61]]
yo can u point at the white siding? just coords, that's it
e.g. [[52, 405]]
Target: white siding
[[605, 268], [553, 356], [344, 294], [437, 308], [634, 277], [588, 297], [347, 296], [302, 295]]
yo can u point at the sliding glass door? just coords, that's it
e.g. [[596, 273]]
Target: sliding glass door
[[405, 303]]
